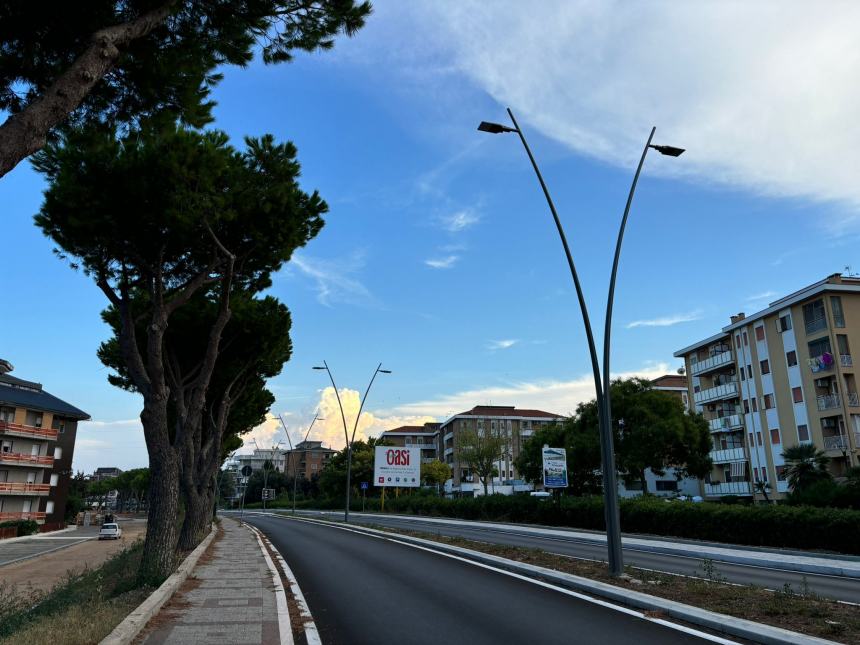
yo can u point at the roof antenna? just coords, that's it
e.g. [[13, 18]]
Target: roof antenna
[[847, 272]]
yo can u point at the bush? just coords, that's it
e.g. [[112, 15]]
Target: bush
[[25, 527], [800, 527], [827, 493]]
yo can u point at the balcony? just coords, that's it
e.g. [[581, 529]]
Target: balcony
[[823, 363], [828, 401], [30, 432], [714, 362], [727, 423], [728, 488], [448, 436], [19, 459], [728, 454], [726, 391], [853, 399], [24, 488], [449, 451], [34, 516], [816, 324], [845, 360], [836, 442]]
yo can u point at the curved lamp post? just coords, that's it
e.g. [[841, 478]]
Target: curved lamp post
[[316, 418], [601, 384], [350, 440]]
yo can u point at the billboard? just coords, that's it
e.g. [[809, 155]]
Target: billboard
[[395, 466], [554, 467]]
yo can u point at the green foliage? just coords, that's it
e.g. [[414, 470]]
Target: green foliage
[[480, 449], [435, 473], [760, 525], [332, 481], [175, 66], [826, 493], [25, 527], [805, 465]]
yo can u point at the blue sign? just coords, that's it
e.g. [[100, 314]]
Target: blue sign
[[554, 467], [364, 485]]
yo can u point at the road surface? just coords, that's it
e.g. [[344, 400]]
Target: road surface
[[836, 587], [362, 589]]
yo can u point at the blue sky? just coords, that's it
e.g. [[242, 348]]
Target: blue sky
[[439, 257]]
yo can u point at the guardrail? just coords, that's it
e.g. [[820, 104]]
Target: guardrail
[[728, 454], [726, 423], [24, 487], [22, 458], [828, 401], [728, 488], [35, 516], [853, 399], [727, 390], [835, 443], [715, 361], [28, 431], [845, 360]]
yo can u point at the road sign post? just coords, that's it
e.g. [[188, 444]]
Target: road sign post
[[364, 486], [554, 467]]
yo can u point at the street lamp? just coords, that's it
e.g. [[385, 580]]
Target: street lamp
[[349, 440], [601, 384], [316, 418], [266, 470]]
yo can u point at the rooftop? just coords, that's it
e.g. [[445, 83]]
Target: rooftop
[[505, 411], [671, 381], [28, 394]]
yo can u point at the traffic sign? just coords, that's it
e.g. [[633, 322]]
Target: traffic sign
[[268, 493], [246, 471], [364, 485]]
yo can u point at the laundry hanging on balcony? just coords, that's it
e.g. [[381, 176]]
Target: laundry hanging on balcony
[[821, 363]]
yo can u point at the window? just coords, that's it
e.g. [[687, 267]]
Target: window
[[814, 317], [765, 366], [408, 441], [819, 347], [7, 415], [755, 404], [667, 485], [797, 394], [780, 473], [4, 475], [743, 376], [749, 371], [803, 432], [838, 315], [842, 344], [774, 436], [791, 358], [58, 453], [763, 474], [54, 479], [783, 323], [59, 425], [746, 339], [49, 507], [759, 333], [738, 341], [33, 419], [746, 407], [768, 401], [5, 446], [758, 437], [752, 440]]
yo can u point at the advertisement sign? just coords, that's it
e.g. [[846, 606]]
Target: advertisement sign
[[395, 466], [554, 467]]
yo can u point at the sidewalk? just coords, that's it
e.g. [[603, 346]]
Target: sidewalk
[[229, 599]]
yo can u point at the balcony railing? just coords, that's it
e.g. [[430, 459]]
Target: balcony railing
[[34, 516], [712, 363], [828, 401], [24, 488], [816, 324], [857, 438], [835, 443], [823, 363], [728, 488], [853, 399], [723, 424], [727, 455], [19, 430], [17, 458], [725, 391], [845, 360]]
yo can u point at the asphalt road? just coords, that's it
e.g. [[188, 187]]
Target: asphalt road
[[837, 587], [362, 589], [17, 550]]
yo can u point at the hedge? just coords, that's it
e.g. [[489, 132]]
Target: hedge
[[24, 527]]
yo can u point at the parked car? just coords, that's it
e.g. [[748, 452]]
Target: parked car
[[110, 531]]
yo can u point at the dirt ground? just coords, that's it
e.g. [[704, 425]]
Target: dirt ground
[[45, 571]]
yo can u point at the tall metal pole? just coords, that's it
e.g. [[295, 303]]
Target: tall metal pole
[[307, 434], [345, 436], [607, 453], [354, 428]]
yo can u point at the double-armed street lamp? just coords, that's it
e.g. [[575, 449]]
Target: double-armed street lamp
[[349, 440], [316, 418], [601, 381]]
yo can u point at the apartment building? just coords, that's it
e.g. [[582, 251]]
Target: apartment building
[[425, 436], [276, 456], [37, 443], [782, 376], [307, 459], [515, 424]]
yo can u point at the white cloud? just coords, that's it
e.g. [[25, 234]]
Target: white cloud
[[502, 344], [560, 397], [762, 95], [764, 295], [335, 281], [666, 321], [442, 263], [109, 443], [460, 220]]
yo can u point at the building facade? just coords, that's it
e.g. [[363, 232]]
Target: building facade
[[37, 444], [425, 437], [307, 459], [514, 424], [777, 378], [260, 456]]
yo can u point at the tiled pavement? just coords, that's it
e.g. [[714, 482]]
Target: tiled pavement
[[229, 599]]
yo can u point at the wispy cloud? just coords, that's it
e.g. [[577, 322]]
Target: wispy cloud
[[442, 263], [493, 345], [764, 295], [666, 321], [334, 279], [460, 220]]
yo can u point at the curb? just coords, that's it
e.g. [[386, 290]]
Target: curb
[[38, 535], [134, 623], [641, 544], [722, 623]]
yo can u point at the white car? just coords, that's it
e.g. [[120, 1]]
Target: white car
[[110, 531]]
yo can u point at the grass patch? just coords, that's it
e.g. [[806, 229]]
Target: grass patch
[[798, 610], [83, 608]]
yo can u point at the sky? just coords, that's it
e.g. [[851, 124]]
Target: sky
[[439, 258]]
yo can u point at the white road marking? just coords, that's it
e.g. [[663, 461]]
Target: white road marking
[[284, 627]]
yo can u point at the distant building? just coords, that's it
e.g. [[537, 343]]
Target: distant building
[[260, 456], [108, 472], [425, 437], [515, 424], [307, 459], [37, 443]]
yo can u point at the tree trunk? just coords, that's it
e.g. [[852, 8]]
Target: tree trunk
[[644, 481], [159, 549], [198, 516]]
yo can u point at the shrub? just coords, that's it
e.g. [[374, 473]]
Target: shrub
[[24, 527]]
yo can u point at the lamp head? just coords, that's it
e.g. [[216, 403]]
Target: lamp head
[[385, 371], [669, 151], [494, 128], [317, 367]]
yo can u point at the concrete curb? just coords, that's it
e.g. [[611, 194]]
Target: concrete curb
[[722, 623], [791, 561], [37, 536], [129, 628]]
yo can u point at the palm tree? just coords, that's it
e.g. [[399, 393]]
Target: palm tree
[[805, 465], [763, 488]]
